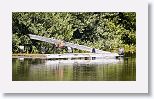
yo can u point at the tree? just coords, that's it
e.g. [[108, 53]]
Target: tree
[[102, 30]]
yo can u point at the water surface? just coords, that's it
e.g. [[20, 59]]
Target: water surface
[[72, 70]]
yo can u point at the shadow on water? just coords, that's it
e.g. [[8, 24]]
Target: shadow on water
[[123, 69]]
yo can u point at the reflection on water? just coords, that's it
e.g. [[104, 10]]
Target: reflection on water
[[74, 70]]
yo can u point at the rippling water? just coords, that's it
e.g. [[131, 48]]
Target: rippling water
[[74, 70]]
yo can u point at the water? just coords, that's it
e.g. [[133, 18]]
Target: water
[[74, 70]]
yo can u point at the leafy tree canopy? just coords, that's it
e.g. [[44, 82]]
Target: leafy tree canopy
[[102, 30]]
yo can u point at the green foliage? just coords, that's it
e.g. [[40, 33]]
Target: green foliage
[[102, 30]]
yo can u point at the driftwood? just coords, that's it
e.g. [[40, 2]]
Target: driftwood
[[67, 44]]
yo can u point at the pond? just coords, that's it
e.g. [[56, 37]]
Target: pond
[[123, 69]]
